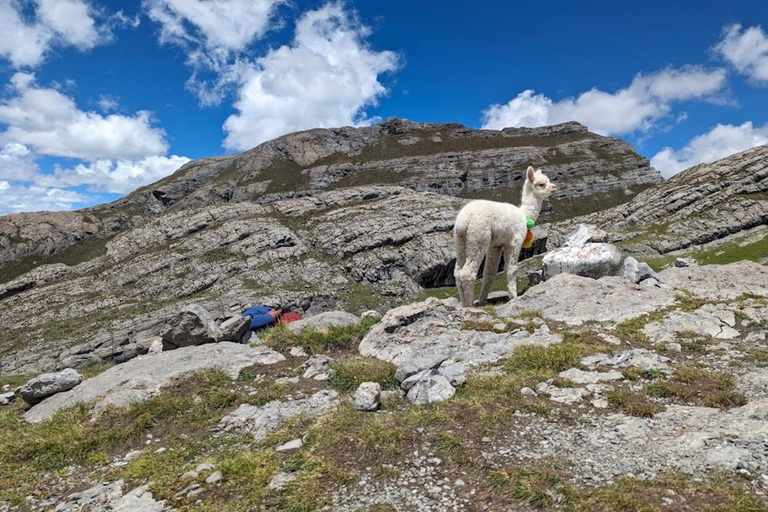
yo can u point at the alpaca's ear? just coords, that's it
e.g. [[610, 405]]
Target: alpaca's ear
[[530, 173]]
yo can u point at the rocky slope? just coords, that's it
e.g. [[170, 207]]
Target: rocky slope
[[655, 400], [699, 210], [316, 220]]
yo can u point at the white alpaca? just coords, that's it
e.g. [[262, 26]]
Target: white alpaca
[[486, 228]]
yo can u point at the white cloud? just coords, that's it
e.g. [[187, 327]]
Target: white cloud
[[637, 107], [121, 153], [721, 141], [56, 22], [50, 123], [746, 50], [17, 162], [216, 35], [323, 79], [214, 24], [23, 198], [118, 177]]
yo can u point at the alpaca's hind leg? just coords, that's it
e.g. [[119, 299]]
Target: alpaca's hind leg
[[511, 256], [466, 278], [492, 258], [461, 258]]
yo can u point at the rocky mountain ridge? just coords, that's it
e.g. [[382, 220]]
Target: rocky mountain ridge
[[449, 159], [317, 220]]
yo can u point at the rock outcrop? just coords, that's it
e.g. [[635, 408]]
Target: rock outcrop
[[701, 207]]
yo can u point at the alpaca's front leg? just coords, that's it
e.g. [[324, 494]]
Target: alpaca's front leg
[[511, 256]]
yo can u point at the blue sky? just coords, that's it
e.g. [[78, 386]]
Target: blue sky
[[98, 98]]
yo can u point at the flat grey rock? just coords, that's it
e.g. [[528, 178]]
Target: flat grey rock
[[639, 358], [322, 321], [710, 320], [582, 377], [611, 299], [432, 331], [143, 376], [719, 282], [259, 421]]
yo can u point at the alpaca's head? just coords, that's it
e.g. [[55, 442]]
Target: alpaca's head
[[538, 184]]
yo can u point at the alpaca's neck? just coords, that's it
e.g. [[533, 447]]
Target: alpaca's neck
[[530, 205]]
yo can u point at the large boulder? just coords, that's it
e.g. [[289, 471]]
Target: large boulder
[[192, 326], [424, 334], [587, 260], [143, 376], [233, 329], [48, 384]]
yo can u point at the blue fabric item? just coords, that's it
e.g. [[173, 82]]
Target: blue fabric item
[[260, 316]]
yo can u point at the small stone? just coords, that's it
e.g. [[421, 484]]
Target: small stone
[[298, 352], [459, 483], [290, 445], [214, 477], [632, 270], [371, 314], [132, 455], [611, 340], [160, 450], [455, 374], [280, 480], [195, 492], [319, 367], [431, 389], [599, 403], [204, 467], [684, 262], [500, 326], [486, 440], [674, 347], [368, 396], [6, 398], [526, 391], [190, 475]]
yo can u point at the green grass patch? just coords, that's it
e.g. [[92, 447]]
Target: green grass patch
[[634, 404], [350, 373], [732, 252], [554, 358], [691, 384], [334, 338], [95, 369]]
